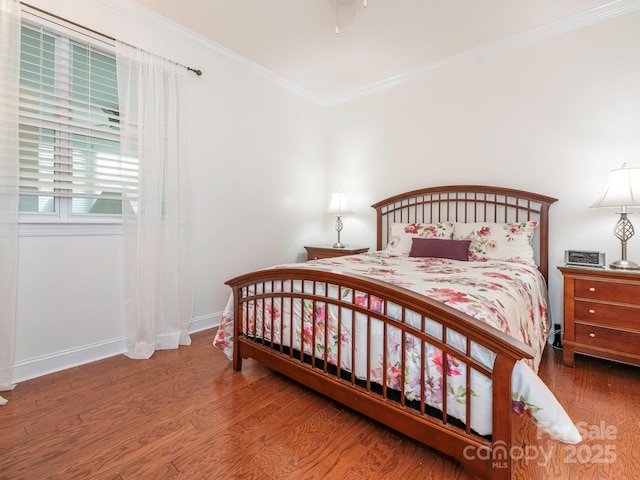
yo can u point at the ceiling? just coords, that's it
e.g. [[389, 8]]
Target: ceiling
[[297, 39]]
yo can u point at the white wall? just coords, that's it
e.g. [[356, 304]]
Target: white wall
[[551, 117], [254, 148]]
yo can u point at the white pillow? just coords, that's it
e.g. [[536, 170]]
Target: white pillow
[[401, 235], [510, 242]]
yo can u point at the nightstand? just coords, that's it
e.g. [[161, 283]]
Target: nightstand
[[327, 251], [601, 314]]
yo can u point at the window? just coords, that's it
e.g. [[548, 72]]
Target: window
[[70, 165]]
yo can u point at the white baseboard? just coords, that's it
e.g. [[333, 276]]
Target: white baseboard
[[204, 322], [46, 364]]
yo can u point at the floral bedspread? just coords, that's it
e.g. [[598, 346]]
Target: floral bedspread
[[509, 296]]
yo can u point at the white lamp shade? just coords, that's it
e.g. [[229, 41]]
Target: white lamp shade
[[623, 189], [339, 204]]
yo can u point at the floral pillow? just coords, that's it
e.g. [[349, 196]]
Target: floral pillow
[[402, 234], [509, 242]]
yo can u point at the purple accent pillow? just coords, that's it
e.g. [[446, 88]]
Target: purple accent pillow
[[440, 248]]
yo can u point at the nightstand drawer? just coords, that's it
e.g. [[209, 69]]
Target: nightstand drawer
[[607, 291], [620, 316], [325, 251], [319, 255], [607, 338]]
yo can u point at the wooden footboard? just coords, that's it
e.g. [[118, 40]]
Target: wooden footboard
[[333, 304]]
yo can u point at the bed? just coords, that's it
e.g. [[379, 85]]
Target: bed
[[437, 334]]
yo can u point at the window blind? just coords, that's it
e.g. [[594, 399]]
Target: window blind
[[70, 126]]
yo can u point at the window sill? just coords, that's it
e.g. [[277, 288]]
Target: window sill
[[43, 229]]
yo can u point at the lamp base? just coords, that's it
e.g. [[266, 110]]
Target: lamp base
[[623, 231], [624, 265], [339, 245]]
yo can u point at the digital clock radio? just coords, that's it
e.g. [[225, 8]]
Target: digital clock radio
[[584, 258]]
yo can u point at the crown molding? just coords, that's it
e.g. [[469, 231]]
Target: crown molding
[[168, 27], [560, 27]]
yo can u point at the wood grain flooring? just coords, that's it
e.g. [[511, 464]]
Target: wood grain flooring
[[184, 414]]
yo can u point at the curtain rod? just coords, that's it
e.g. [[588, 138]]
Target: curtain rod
[[197, 71]]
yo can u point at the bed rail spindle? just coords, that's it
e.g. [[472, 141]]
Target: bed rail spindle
[[256, 322], [326, 320], [445, 380], [245, 316], [304, 305], [272, 330], [423, 361], [426, 218], [385, 367], [279, 300], [403, 360], [403, 363], [339, 333], [468, 387], [291, 321], [314, 328], [263, 309], [314, 323], [353, 340], [368, 354], [444, 210], [288, 301], [465, 207]]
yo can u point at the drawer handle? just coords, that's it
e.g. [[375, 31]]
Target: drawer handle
[[592, 311], [592, 335], [592, 289]]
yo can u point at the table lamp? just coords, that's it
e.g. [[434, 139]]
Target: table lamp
[[339, 207], [623, 190]]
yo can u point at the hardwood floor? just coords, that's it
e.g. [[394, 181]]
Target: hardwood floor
[[184, 414]]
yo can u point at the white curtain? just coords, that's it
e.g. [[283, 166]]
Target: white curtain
[[9, 171], [158, 240]]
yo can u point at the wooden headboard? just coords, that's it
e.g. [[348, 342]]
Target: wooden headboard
[[468, 203]]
